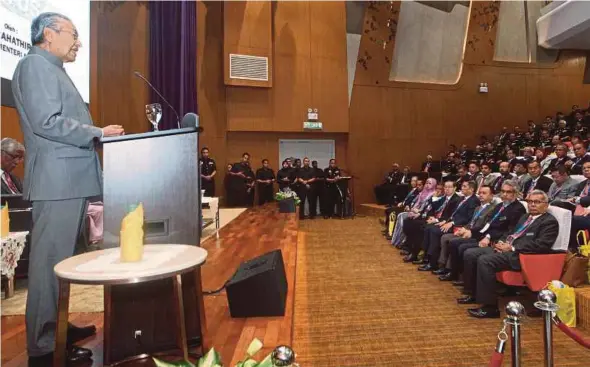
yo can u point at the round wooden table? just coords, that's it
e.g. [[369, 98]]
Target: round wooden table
[[105, 268]]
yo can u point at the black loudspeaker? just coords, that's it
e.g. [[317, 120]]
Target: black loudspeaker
[[259, 287]]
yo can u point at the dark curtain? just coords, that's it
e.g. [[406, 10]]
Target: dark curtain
[[173, 57]]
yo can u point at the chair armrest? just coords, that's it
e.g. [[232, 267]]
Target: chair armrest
[[540, 269]]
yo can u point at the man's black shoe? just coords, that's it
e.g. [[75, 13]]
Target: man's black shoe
[[485, 312], [74, 354], [76, 333]]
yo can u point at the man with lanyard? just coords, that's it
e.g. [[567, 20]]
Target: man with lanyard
[[480, 217], [265, 177], [537, 181], [333, 198], [414, 229], [535, 233], [501, 220], [434, 231], [208, 171]]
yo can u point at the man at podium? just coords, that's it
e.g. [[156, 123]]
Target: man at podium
[[62, 170]]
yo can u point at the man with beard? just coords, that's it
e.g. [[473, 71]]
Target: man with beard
[[505, 175]]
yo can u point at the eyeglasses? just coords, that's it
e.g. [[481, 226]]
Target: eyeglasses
[[13, 156], [535, 202]]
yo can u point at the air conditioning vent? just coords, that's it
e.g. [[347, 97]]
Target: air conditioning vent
[[248, 67]]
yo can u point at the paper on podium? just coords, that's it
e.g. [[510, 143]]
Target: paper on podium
[[132, 235], [5, 223]]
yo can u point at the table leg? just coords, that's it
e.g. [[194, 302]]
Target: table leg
[[61, 329], [201, 308], [180, 319], [9, 287]]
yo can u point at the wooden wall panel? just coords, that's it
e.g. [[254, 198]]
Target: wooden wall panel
[[11, 129], [247, 29], [309, 71], [402, 122]]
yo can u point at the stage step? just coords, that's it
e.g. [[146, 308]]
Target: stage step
[[583, 307], [371, 209]]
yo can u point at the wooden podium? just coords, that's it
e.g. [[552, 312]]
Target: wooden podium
[[159, 169]]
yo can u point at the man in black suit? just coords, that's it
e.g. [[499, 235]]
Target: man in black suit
[[505, 175], [385, 192], [501, 221], [429, 165], [537, 181], [13, 153], [435, 230], [576, 164], [414, 229], [581, 218], [560, 159], [535, 233]]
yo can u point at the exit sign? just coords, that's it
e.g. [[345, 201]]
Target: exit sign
[[312, 125]]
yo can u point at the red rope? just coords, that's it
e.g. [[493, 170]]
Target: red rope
[[496, 360], [572, 334]]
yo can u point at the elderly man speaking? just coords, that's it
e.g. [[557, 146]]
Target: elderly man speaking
[[61, 171]]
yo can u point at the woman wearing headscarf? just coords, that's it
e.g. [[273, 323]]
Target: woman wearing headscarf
[[420, 201]]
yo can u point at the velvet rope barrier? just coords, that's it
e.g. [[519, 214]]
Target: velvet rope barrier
[[572, 333], [497, 359], [498, 355]]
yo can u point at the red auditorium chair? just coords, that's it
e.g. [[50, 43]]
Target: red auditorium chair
[[539, 269]]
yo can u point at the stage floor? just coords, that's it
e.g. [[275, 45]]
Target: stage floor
[[253, 233]]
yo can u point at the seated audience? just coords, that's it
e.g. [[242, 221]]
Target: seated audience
[[435, 229], [563, 187], [13, 154], [425, 191], [486, 177], [385, 192], [392, 211], [581, 157], [537, 182], [560, 158], [536, 232]]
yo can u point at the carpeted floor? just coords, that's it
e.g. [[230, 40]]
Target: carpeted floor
[[358, 304], [89, 298]]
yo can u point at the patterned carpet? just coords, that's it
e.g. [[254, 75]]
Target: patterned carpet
[[358, 304], [89, 298]]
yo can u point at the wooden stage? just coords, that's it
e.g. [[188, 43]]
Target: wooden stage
[[253, 233]]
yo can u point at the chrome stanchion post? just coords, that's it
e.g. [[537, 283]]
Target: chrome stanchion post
[[546, 303], [514, 312]]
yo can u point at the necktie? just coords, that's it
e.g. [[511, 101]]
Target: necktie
[[476, 215], [458, 207], [10, 184], [586, 190], [520, 230], [440, 210], [533, 185]]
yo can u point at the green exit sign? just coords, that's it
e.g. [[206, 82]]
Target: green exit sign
[[312, 125]]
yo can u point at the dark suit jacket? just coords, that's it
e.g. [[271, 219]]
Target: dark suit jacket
[[539, 237], [393, 177], [504, 223], [585, 201], [17, 182], [410, 197], [484, 216], [556, 162], [576, 168], [543, 184], [434, 166], [450, 208], [464, 214]]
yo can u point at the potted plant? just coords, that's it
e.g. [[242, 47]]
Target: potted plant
[[288, 200]]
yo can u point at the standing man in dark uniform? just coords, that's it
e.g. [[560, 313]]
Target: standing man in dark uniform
[[306, 178], [236, 194], [285, 175], [250, 185], [319, 186], [333, 197], [265, 177], [208, 171]]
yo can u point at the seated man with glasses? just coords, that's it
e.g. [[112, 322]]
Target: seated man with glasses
[[13, 153], [536, 232]]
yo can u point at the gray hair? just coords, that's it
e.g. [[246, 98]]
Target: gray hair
[[10, 145], [540, 193], [514, 185], [42, 21]]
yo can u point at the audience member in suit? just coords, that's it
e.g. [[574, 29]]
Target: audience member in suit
[[520, 170], [486, 177], [536, 232], [429, 165], [403, 187], [426, 190], [502, 220], [537, 181], [560, 159], [485, 196], [563, 187], [414, 229], [576, 164], [473, 171], [505, 175], [265, 178], [13, 154], [462, 176], [406, 203], [385, 192], [581, 217], [434, 231]]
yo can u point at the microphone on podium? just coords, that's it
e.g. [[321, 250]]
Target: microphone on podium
[[138, 74]]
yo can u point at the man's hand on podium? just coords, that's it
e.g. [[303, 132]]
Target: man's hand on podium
[[113, 130]]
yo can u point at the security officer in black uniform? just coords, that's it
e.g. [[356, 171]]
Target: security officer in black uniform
[[250, 185], [208, 171], [265, 177], [306, 178], [237, 194], [285, 176], [332, 194], [319, 186]]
